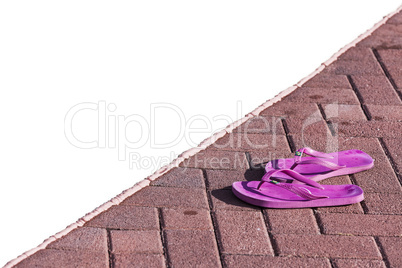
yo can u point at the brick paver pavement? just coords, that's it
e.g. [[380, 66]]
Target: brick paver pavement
[[189, 217]]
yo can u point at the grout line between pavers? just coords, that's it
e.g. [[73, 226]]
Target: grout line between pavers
[[359, 97], [272, 240], [109, 249], [318, 221], [382, 252], [212, 218], [289, 137], [391, 160], [138, 186], [386, 72], [328, 122], [163, 239]]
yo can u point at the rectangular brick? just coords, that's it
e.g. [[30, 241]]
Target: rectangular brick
[[126, 260], [330, 246], [393, 146], [356, 263], [225, 199], [383, 203], [192, 248], [243, 232], [392, 248], [361, 224], [241, 261], [344, 112], [219, 179], [328, 81], [358, 54], [263, 125], [84, 238], [388, 29], [308, 126], [65, 258], [136, 241], [323, 95], [213, 159], [388, 129], [376, 90], [385, 112], [251, 142], [186, 219], [380, 178], [291, 221], [293, 110], [381, 42], [395, 19], [168, 197], [347, 67], [259, 159], [182, 178], [127, 217]]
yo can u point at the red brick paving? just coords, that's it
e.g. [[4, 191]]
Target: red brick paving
[[189, 217]]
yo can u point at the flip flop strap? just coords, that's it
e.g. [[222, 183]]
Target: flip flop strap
[[316, 161], [295, 175], [298, 190]]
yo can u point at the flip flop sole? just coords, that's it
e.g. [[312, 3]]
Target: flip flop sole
[[273, 196]]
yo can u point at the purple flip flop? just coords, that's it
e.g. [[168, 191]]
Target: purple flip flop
[[273, 194], [322, 165]]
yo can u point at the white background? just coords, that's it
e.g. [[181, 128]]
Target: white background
[[204, 59]]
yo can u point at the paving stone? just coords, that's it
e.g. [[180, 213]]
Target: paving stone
[[311, 127], [392, 248], [361, 224], [393, 146], [251, 142], [396, 19], [225, 199], [382, 42], [187, 219], [243, 232], [65, 258], [389, 129], [328, 81], [84, 238], [130, 260], [376, 90], [330, 246], [355, 263], [388, 113], [344, 112], [260, 158], [383, 203], [213, 159], [346, 67], [323, 95], [358, 54], [169, 197], [127, 217], [181, 177], [291, 221], [219, 179], [241, 261], [392, 59], [192, 248], [260, 124], [389, 29], [293, 110], [380, 178], [136, 241]]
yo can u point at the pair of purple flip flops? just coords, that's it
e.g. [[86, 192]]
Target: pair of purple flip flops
[[292, 182]]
